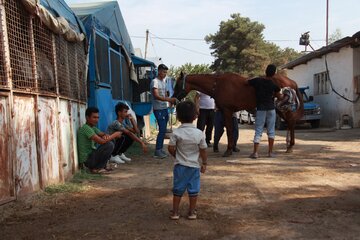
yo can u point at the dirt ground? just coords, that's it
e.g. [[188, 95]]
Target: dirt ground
[[313, 193]]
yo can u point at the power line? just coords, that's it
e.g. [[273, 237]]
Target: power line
[[165, 39], [174, 38], [152, 44], [178, 46], [199, 39]]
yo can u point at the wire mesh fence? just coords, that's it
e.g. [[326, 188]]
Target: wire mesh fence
[[18, 26], [81, 71], [72, 55], [44, 57], [40, 61], [3, 81]]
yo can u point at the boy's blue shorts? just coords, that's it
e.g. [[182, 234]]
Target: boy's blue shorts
[[186, 178]]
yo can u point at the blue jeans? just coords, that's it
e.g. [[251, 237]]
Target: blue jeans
[[162, 118], [262, 116], [219, 124]]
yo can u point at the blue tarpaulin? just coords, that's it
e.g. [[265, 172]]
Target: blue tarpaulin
[[60, 8], [112, 60], [107, 18]]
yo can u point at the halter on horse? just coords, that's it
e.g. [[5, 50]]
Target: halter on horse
[[232, 93]]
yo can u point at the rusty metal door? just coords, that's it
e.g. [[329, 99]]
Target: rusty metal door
[[6, 163], [48, 161], [24, 147]]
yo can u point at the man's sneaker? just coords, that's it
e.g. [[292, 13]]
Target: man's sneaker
[[124, 158], [215, 148], [164, 152], [116, 159], [160, 154]]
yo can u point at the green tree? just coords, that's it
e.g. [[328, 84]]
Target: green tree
[[188, 68], [337, 35], [239, 46]]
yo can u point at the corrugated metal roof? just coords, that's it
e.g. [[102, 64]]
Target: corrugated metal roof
[[353, 41]]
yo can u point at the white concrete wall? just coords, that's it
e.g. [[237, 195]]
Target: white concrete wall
[[341, 70], [356, 113]]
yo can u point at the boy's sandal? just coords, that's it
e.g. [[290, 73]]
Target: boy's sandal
[[175, 217], [192, 215], [108, 169], [99, 171], [254, 156], [94, 171]]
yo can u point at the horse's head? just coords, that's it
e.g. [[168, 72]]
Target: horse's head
[[179, 89]]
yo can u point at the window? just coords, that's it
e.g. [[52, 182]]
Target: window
[[116, 86], [321, 83], [125, 78], [102, 58], [357, 84]]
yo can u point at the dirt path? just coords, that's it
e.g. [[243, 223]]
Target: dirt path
[[313, 193]]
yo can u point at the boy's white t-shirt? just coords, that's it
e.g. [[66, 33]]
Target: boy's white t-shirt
[[160, 85], [188, 139]]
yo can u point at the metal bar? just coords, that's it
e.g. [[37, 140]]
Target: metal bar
[[36, 101], [33, 56], [327, 22], [7, 68], [61, 172]]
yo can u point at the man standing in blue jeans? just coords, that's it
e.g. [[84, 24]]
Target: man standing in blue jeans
[[160, 108], [265, 90]]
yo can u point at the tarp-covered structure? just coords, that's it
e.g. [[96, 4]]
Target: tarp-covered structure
[[42, 94], [58, 17], [114, 70]]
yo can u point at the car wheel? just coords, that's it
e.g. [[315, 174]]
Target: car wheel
[[315, 123]]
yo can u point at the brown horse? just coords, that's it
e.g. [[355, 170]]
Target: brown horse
[[232, 93]]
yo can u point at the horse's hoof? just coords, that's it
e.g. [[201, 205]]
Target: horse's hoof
[[289, 150], [228, 153]]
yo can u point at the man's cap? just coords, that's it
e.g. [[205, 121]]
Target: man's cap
[[162, 67]]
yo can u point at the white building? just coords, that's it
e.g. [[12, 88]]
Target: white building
[[333, 75]]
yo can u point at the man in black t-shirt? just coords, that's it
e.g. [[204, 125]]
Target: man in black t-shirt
[[265, 89]]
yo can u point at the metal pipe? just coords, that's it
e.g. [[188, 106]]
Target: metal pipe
[[327, 22]]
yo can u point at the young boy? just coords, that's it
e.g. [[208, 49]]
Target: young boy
[[127, 136], [186, 144]]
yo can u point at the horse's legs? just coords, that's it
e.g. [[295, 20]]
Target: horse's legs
[[229, 132], [290, 137], [287, 137]]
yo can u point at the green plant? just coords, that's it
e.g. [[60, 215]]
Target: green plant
[[66, 188]]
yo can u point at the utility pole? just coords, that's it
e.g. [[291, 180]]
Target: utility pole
[[146, 41], [327, 22]]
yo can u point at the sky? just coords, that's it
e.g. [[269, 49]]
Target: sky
[[177, 27]]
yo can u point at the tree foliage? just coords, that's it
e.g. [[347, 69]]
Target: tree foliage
[[336, 35], [239, 46], [188, 68]]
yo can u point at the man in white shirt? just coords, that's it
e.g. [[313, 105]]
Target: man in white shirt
[[206, 116]]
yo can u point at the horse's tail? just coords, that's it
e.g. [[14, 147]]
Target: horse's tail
[[300, 109]]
